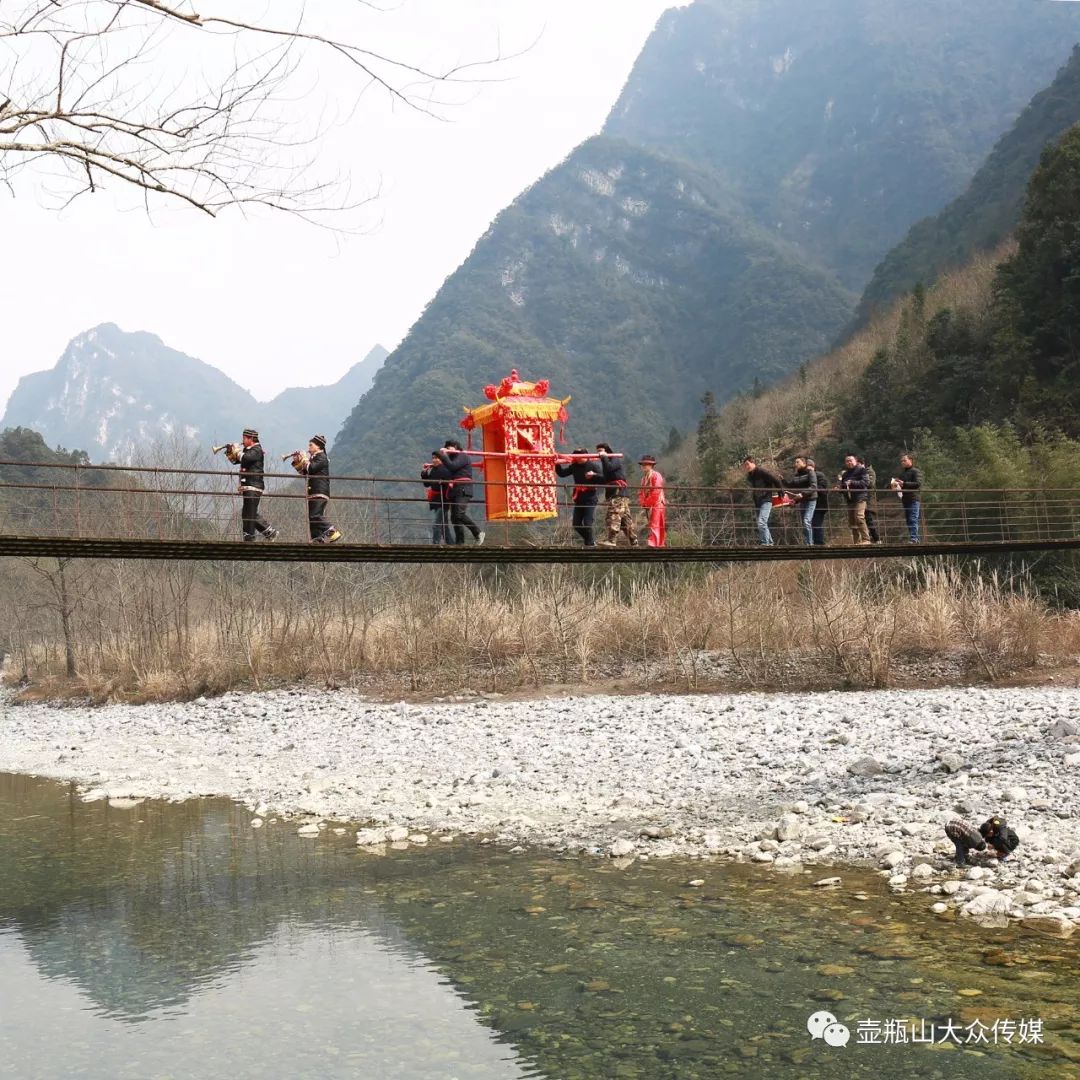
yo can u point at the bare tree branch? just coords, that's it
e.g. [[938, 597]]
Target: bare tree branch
[[108, 93]]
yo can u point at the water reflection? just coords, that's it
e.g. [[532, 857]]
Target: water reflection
[[169, 940]]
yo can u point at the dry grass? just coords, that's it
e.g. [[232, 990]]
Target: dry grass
[[439, 629]]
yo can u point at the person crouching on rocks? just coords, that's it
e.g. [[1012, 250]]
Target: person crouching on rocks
[[999, 836], [965, 838]]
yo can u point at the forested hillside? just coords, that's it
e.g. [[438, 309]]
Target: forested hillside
[[980, 374], [764, 156], [989, 209]]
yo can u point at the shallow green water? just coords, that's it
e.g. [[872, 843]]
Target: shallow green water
[[176, 941]]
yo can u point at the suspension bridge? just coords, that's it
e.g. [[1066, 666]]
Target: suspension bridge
[[163, 513]]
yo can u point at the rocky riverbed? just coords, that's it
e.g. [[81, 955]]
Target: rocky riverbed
[[784, 780]]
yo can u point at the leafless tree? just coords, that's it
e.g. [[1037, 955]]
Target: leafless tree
[[205, 107]]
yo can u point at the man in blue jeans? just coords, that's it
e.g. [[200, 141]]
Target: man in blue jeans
[[908, 482], [763, 485], [804, 486]]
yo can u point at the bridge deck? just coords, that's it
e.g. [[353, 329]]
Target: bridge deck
[[237, 551]]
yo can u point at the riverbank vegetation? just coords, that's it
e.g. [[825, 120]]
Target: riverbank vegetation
[[138, 632]]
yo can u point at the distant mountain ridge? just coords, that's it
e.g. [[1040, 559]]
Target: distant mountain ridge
[[114, 393], [762, 159]]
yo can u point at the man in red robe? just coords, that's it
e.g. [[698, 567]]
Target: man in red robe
[[651, 497]]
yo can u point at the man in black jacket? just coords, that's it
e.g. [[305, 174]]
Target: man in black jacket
[[617, 516], [908, 482], [252, 486], [804, 486], [587, 474], [435, 476], [854, 483], [316, 467], [459, 490], [764, 484], [817, 523]]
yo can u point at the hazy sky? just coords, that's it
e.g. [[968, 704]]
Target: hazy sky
[[275, 302]]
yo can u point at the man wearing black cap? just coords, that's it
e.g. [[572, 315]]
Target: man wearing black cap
[[651, 497], [317, 470], [252, 485]]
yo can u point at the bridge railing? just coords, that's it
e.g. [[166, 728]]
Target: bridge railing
[[204, 504]]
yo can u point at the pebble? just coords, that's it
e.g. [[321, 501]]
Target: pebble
[[990, 902], [621, 848], [1057, 925], [865, 766], [791, 827]]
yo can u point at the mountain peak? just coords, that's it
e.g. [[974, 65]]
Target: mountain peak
[[115, 393]]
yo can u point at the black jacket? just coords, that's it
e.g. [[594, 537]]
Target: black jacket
[[855, 482], [435, 478], [587, 475], [612, 469], [252, 464], [318, 475], [764, 484], [999, 836], [912, 481], [459, 466], [804, 483], [822, 491]]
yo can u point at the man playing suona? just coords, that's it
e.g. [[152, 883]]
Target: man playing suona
[[252, 485], [315, 465]]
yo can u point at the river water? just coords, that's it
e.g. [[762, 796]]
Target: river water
[[174, 940]]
